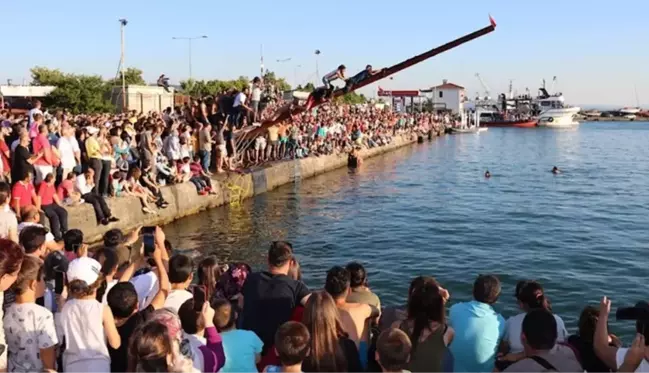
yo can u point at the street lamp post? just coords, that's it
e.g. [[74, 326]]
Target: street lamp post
[[189, 44], [122, 23], [295, 75], [317, 73]]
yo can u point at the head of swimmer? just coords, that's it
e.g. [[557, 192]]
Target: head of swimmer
[[487, 174], [555, 170]]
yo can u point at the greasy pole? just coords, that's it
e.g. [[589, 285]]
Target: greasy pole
[[422, 57], [286, 112]]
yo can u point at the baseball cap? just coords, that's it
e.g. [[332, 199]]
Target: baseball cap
[[92, 130], [85, 269], [55, 262]]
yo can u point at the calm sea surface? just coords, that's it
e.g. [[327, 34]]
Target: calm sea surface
[[427, 209]]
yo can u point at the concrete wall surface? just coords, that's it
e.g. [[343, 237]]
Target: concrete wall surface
[[183, 199]]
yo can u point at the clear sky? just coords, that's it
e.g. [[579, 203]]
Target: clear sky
[[597, 49]]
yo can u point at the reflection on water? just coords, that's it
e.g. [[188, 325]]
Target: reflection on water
[[427, 209]]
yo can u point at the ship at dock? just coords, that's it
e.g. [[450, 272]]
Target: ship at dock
[[526, 111]]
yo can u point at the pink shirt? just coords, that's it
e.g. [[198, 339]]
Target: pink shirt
[[41, 143]]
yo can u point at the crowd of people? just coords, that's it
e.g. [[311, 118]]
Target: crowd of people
[[54, 160], [145, 308]]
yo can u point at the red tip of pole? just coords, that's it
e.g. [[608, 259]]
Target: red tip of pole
[[492, 21]]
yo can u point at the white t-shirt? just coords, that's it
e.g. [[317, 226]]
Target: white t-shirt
[[514, 327], [82, 185], [67, 147], [109, 285], [194, 343], [31, 113], [176, 299], [83, 327], [49, 237], [28, 329], [146, 286], [619, 359], [239, 99], [8, 221], [256, 94]]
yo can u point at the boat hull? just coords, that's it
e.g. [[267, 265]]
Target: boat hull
[[511, 123], [556, 118]]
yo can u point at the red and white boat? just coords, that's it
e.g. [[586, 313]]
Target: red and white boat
[[494, 119]]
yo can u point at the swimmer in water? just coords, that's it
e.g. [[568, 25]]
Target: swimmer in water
[[555, 170], [487, 174]]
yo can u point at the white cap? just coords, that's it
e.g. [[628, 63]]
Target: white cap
[[92, 130], [85, 269]]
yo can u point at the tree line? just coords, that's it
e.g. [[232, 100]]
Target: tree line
[[82, 93]]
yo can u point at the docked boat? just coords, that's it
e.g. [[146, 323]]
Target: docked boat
[[553, 112], [499, 120], [630, 110], [469, 123]]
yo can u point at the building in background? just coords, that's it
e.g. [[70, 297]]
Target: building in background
[[447, 96], [143, 98]]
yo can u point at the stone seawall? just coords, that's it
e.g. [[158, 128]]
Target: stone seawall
[[183, 199]]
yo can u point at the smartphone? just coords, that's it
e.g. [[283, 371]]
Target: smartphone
[[59, 282], [200, 297], [148, 239]]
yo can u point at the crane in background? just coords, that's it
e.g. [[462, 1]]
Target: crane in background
[[484, 86]]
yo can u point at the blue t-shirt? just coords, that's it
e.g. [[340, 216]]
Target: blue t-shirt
[[478, 331], [240, 348]]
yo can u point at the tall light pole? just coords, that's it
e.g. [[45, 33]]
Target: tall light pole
[[295, 74], [189, 44], [317, 73], [122, 23]]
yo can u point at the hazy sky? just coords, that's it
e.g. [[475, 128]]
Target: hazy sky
[[597, 49]]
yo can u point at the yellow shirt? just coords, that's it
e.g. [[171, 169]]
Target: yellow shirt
[[92, 148]]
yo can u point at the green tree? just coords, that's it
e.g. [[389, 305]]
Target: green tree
[[270, 78], [132, 76], [352, 98], [75, 92]]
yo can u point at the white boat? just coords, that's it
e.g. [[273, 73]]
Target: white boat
[[469, 123], [630, 110], [553, 112]]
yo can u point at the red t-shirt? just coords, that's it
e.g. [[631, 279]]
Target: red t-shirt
[[23, 193], [65, 188], [42, 143], [5, 161], [46, 192]]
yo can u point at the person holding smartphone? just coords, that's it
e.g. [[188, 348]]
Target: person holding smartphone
[[123, 301]]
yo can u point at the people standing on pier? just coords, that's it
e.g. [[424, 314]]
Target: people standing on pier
[[478, 327]]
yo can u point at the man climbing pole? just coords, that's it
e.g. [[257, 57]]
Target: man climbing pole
[[354, 80], [339, 73]]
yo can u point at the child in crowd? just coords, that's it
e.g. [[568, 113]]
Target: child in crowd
[[67, 193], [202, 338], [123, 302], [181, 274], [185, 172], [29, 328], [242, 347], [87, 324], [72, 241], [292, 341], [393, 350], [200, 174]]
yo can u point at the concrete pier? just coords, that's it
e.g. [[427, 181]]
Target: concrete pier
[[183, 199]]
